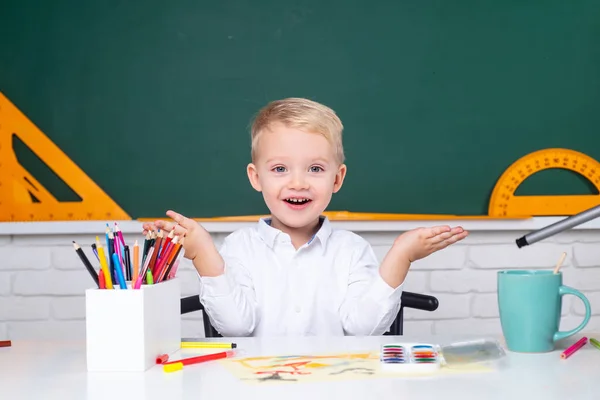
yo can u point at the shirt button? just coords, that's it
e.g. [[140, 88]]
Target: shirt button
[[298, 309]]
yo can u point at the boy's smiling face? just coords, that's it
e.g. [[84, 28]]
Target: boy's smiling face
[[297, 172]]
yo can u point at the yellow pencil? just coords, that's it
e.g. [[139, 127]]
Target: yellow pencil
[[102, 257], [207, 345]]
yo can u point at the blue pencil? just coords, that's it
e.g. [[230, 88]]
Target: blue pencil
[[119, 271]]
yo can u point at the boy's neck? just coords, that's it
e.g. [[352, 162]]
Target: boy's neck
[[298, 236]]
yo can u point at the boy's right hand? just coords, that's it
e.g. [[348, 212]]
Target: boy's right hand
[[196, 237]]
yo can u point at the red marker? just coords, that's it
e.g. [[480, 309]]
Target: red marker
[[176, 365], [163, 358]]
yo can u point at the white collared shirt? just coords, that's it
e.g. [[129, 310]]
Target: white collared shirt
[[329, 286]]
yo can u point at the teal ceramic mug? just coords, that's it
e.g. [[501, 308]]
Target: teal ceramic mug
[[530, 303]]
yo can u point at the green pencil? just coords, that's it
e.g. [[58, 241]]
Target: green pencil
[[595, 343], [149, 277]]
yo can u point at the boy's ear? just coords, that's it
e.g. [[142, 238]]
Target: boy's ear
[[339, 178], [253, 177]]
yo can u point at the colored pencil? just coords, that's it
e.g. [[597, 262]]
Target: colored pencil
[[167, 241], [119, 271], [127, 263], [111, 250], [140, 278], [5, 343], [119, 233], [161, 263], [119, 251], [572, 349], [152, 239], [146, 246], [179, 249], [173, 271], [104, 265], [156, 247], [136, 261], [173, 259], [102, 281], [149, 278], [95, 251], [595, 343], [86, 263]]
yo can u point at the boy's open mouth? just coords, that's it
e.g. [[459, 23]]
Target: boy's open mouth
[[297, 201]]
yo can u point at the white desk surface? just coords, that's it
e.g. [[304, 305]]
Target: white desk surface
[[57, 370]]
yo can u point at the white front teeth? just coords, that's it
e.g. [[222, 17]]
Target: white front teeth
[[297, 200]]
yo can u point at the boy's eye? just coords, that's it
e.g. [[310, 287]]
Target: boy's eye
[[279, 169], [316, 168]]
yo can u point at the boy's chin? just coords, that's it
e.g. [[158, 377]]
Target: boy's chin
[[297, 222]]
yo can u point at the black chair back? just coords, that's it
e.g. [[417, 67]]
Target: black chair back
[[409, 299]]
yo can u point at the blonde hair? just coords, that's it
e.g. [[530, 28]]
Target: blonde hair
[[301, 114]]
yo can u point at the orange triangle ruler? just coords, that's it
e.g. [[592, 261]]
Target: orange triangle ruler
[[17, 185]]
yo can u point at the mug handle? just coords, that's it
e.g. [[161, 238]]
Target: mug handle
[[562, 290]]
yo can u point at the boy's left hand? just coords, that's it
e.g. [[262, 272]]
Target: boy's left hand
[[421, 242]]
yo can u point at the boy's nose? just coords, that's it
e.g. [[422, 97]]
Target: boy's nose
[[298, 181]]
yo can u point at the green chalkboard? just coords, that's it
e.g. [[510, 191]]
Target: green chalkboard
[[153, 99]]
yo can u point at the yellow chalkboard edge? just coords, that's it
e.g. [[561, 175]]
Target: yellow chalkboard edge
[[352, 216]]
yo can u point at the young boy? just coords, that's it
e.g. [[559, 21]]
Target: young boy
[[292, 274]]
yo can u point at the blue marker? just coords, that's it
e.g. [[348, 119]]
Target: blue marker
[[119, 271]]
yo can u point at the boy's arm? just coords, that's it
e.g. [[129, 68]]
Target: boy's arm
[[227, 292], [374, 293], [226, 288], [371, 304]]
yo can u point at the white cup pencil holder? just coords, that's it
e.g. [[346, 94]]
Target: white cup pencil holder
[[127, 329]]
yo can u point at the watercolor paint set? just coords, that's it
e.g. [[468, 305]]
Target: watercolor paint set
[[410, 357], [427, 357]]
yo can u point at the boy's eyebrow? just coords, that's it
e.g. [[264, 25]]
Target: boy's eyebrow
[[283, 159], [270, 160]]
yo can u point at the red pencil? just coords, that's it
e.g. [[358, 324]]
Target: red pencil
[[162, 260], [167, 241], [5, 343], [156, 246], [572, 349], [102, 281], [173, 252]]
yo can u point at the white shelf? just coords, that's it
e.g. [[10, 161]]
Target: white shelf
[[93, 227]]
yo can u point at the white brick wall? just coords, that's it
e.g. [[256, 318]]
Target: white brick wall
[[42, 282]]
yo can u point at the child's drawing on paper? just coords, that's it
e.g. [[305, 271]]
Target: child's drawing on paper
[[297, 368], [328, 367]]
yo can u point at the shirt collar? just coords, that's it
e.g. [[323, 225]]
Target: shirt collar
[[266, 232], [323, 233], [269, 234]]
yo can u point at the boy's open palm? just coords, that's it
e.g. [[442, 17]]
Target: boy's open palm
[[195, 235], [421, 242]]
